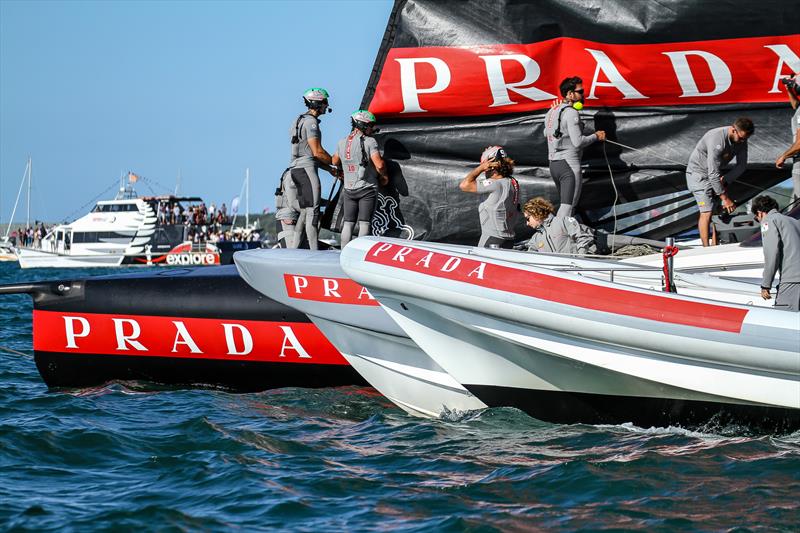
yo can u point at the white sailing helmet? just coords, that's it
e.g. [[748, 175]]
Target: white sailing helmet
[[492, 153]]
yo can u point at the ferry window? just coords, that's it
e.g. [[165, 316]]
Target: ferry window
[[114, 208], [95, 236]]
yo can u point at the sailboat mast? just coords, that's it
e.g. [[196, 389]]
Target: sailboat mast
[[30, 173], [16, 202], [247, 198]]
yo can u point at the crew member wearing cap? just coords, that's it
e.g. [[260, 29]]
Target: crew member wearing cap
[[780, 235], [306, 157], [563, 129], [704, 175], [499, 210], [361, 167], [791, 84]]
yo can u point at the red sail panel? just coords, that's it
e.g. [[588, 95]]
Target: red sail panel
[[520, 78]]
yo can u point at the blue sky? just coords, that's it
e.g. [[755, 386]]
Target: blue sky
[[91, 90]]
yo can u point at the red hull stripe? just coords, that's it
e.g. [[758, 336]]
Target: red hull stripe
[[555, 289], [520, 78], [329, 290], [197, 338]]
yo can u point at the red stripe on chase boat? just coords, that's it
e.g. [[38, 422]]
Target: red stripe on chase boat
[[557, 289], [330, 290]]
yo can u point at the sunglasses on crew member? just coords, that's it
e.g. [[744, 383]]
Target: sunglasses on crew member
[[579, 91], [740, 134]]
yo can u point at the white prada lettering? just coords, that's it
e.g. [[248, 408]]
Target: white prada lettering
[[230, 340], [365, 292], [290, 342], [382, 248], [785, 57], [615, 79], [500, 87], [426, 260], [331, 286], [69, 329], [719, 72], [408, 81], [182, 337], [401, 253], [478, 271], [122, 339], [451, 264], [300, 283]]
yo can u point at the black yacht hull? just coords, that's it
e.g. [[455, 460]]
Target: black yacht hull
[[180, 327]]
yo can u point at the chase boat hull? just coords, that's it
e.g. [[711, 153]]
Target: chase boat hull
[[312, 282], [567, 347]]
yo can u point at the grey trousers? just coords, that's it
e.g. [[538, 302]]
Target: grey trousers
[[788, 297]]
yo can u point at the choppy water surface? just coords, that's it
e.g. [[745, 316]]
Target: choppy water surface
[[136, 457]]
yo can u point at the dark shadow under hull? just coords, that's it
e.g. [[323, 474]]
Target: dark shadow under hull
[[87, 370], [582, 408]]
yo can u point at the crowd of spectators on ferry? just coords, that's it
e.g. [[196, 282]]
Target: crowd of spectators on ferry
[[204, 223], [31, 236]]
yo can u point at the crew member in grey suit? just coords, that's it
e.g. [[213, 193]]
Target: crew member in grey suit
[[307, 156], [780, 236], [563, 129]]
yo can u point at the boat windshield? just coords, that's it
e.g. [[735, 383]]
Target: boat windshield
[[114, 208]]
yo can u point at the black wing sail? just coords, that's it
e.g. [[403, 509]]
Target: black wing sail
[[658, 75]]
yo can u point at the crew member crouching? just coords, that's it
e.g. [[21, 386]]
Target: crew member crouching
[[498, 212], [361, 167], [556, 234], [565, 235]]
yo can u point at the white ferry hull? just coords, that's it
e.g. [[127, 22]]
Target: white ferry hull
[[30, 258]]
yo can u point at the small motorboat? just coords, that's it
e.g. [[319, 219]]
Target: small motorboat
[[567, 344], [313, 283]]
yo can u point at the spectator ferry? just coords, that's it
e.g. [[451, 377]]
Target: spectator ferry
[[130, 230]]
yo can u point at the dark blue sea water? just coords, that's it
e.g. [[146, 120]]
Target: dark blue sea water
[[136, 457]]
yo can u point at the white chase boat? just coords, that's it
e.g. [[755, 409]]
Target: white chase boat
[[123, 231], [313, 283], [566, 344]]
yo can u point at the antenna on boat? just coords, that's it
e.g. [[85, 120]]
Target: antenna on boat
[[178, 182]]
